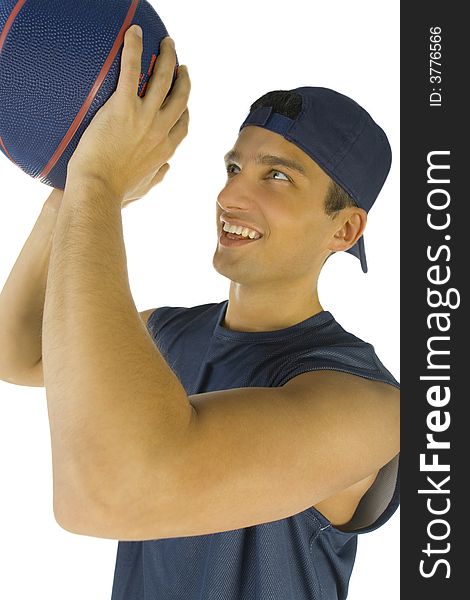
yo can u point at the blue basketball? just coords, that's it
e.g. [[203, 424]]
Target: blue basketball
[[59, 63]]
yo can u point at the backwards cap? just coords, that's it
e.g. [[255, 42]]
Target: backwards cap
[[341, 137]]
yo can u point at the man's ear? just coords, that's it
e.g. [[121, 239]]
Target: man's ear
[[353, 222]]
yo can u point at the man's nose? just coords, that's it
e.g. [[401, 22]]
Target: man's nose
[[237, 194]]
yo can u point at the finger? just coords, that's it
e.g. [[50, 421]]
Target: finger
[[162, 171], [180, 130], [177, 100], [127, 202], [131, 63], [161, 79]]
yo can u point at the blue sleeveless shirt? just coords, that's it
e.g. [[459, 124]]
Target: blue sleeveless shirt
[[301, 557]]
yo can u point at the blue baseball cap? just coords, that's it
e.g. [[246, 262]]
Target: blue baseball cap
[[341, 137]]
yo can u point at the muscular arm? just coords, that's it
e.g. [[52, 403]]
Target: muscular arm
[[111, 396]]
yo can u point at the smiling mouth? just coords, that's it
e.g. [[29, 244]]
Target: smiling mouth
[[233, 239]]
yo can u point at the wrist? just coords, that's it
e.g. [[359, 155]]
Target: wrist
[[87, 194]]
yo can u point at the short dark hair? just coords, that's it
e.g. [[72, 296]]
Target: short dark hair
[[336, 199], [283, 102], [289, 104]]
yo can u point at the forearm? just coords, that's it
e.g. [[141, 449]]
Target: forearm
[[22, 297], [112, 399]]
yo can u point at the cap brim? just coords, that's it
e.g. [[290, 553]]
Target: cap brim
[[359, 251]]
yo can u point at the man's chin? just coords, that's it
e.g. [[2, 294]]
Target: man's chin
[[219, 266], [226, 265]]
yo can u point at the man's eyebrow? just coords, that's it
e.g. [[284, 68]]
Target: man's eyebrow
[[269, 159]]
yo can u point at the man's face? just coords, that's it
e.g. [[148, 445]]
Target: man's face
[[279, 190]]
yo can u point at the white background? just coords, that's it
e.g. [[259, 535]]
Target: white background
[[235, 52]]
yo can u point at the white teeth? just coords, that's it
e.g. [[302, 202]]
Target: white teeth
[[244, 231]]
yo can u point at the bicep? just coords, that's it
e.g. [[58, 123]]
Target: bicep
[[254, 455], [332, 428]]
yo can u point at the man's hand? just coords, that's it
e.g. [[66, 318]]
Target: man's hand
[[130, 139]]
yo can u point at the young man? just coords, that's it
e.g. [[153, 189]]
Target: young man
[[236, 451], [288, 214]]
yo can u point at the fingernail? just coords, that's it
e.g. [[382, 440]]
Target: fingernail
[[138, 30]]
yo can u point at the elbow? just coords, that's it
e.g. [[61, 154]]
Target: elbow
[[84, 522], [79, 517], [94, 517], [82, 503], [71, 518]]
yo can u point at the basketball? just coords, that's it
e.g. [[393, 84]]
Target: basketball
[[59, 63]]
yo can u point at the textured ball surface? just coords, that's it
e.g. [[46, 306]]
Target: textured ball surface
[[59, 63]]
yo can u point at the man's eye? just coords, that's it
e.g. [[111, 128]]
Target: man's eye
[[230, 166], [281, 173]]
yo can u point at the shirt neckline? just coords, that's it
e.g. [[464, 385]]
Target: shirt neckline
[[315, 320]]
